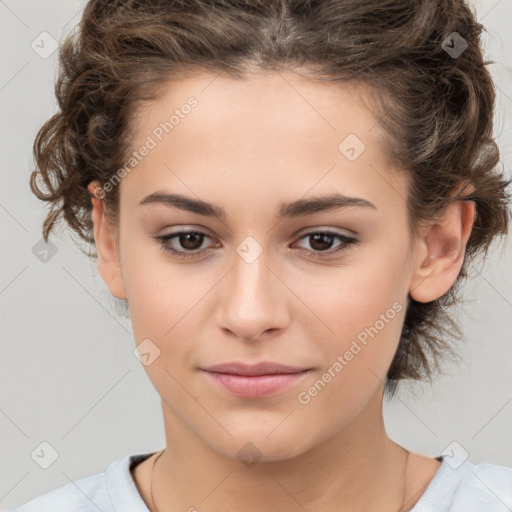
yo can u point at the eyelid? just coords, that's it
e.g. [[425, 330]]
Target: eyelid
[[327, 229]]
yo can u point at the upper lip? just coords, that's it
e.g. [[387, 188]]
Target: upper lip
[[262, 368]]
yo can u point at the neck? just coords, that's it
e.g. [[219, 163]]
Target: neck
[[356, 468]]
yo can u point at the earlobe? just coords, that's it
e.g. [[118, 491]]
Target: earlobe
[[439, 252], [106, 245]]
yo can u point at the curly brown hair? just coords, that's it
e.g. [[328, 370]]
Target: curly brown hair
[[435, 106]]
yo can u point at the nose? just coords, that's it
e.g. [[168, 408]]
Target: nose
[[253, 301]]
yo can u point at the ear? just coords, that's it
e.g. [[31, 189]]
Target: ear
[[440, 250], [106, 245]]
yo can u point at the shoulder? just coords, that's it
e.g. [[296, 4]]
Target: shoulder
[[489, 484], [86, 494], [463, 486], [109, 491]]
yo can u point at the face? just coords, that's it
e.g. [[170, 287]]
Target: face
[[270, 271]]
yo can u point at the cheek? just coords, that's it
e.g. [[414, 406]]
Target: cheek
[[156, 290], [366, 297], [365, 310], [160, 302], [363, 304]]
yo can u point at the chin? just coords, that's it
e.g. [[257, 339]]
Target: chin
[[257, 446]]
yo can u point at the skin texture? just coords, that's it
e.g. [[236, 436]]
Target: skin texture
[[248, 146]]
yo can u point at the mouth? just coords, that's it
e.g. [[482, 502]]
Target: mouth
[[254, 381]]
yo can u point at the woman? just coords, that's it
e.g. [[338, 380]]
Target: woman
[[287, 194]]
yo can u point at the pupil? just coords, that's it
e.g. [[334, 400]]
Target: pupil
[[319, 237], [185, 238]]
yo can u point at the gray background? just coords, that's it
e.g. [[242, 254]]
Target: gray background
[[68, 373]]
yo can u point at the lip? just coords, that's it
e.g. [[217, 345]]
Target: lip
[[262, 368], [255, 381]]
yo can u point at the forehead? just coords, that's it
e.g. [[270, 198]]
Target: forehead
[[271, 103], [264, 132]]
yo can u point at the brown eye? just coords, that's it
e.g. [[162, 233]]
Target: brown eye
[[184, 244], [187, 244], [321, 241], [190, 240]]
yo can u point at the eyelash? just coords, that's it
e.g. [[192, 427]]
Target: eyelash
[[347, 242]]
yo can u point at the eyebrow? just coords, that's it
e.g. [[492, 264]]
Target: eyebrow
[[297, 208]]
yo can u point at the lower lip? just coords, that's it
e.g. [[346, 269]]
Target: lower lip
[[257, 386]]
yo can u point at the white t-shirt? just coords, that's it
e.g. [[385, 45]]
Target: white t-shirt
[[458, 486]]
